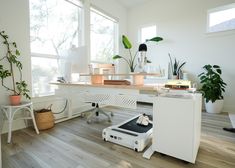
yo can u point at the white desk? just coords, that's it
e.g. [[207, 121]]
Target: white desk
[[73, 93], [189, 118]]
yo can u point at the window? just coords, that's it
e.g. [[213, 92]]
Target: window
[[103, 37], [55, 27], [221, 18], [147, 33]]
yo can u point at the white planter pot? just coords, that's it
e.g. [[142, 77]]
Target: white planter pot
[[215, 107]]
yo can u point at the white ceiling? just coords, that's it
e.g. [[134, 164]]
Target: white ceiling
[[131, 3]]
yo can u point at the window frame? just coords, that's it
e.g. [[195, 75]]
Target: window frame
[[81, 28], [218, 9], [104, 14]]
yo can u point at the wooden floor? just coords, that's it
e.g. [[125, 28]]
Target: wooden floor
[[75, 144]]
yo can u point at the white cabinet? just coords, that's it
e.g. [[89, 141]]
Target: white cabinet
[[177, 126]]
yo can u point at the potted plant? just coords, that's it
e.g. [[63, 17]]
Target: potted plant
[[9, 64], [212, 88], [127, 45], [176, 67]]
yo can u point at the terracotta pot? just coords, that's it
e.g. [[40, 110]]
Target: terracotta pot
[[15, 99]]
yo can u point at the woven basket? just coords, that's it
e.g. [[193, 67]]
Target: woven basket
[[44, 120]]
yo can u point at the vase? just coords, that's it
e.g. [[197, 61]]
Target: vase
[[215, 107], [15, 99]]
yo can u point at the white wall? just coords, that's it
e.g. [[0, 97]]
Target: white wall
[[182, 24], [14, 19]]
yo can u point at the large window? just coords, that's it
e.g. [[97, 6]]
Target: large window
[[55, 27], [103, 37], [221, 18]]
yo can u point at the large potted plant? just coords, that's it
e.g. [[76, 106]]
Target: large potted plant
[[9, 65], [212, 88], [131, 60]]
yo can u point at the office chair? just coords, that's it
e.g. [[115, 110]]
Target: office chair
[[99, 100]]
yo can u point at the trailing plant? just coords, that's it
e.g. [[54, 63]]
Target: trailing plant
[[175, 66], [127, 45], [12, 57], [213, 85]]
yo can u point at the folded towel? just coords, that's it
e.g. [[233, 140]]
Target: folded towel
[[143, 120]]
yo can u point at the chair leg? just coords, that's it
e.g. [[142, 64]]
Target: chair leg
[[101, 111], [98, 110], [91, 115], [112, 114]]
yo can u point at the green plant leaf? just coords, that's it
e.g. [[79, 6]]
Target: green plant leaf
[[17, 52], [14, 44], [155, 39], [216, 66], [117, 57], [126, 42], [219, 71]]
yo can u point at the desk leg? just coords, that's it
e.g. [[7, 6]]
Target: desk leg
[[148, 153]]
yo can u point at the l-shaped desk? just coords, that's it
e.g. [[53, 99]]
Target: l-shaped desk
[[176, 116]]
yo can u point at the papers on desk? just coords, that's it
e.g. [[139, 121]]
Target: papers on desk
[[180, 96]]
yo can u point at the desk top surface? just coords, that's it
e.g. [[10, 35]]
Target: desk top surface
[[137, 87]]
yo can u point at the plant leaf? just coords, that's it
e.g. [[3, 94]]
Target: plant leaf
[[155, 39], [17, 52], [216, 66], [219, 71], [117, 57], [126, 42]]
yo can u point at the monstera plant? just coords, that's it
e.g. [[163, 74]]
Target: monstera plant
[[9, 65], [131, 60]]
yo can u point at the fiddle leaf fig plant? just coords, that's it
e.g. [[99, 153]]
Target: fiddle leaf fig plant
[[17, 87], [213, 85], [127, 45]]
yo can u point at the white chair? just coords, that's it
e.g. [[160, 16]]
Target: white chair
[[11, 110]]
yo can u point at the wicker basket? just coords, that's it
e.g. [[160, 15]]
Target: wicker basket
[[44, 120]]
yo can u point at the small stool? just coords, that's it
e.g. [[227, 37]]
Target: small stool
[[10, 111]]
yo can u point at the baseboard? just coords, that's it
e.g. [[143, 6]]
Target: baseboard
[[229, 109]]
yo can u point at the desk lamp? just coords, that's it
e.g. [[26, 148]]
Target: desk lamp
[[142, 59]]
